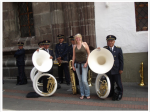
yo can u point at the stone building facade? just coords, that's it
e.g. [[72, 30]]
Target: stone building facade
[[50, 19], [94, 20]]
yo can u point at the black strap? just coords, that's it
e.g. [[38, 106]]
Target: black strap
[[80, 66]]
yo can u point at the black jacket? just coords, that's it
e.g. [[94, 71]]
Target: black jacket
[[61, 50], [50, 52], [20, 57], [70, 52], [118, 60]]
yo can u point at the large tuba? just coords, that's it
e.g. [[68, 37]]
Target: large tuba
[[72, 77], [101, 61], [42, 62]]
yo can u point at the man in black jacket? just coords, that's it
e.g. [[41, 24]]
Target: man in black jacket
[[115, 73], [46, 44], [61, 52], [20, 62], [70, 54]]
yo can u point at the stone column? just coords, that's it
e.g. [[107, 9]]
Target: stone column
[[42, 21], [10, 24], [87, 22], [57, 20], [70, 19]]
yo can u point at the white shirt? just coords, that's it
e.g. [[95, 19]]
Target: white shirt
[[47, 50], [72, 45], [112, 48]]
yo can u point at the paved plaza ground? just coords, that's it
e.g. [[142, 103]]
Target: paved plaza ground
[[134, 98]]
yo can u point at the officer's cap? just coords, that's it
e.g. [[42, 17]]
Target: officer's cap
[[46, 42], [110, 37], [60, 36], [40, 43], [71, 38], [20, 43]]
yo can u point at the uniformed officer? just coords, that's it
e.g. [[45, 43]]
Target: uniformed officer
[[40, 46], [20, 55], [46, 44], [45, 47], [115, 73], [70, 54], [61, 51]]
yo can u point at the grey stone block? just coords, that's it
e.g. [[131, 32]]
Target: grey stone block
[[37, 20], [45, 19], [6, 72], [45, 29], [41, 7]]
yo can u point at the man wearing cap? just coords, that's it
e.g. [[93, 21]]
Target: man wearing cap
[[20, 55], [46, 44], [40, 44], [115, 73], [61, 51], [70, 54]]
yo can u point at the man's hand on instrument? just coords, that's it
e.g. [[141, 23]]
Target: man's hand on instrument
[[98, 48], [37, 50], [59, 61], [51, 57], [59, 58]]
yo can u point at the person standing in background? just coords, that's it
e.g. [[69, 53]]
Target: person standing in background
[[70, 54], [20, 60], [46, 44], [61, 51]]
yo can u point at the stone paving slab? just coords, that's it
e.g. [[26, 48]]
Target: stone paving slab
[[14, 98]]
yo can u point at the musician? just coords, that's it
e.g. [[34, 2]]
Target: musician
[[46, 44], [115, 73], [80, 64], [20, 55], [61, 51], [40, 46], [70, 54]]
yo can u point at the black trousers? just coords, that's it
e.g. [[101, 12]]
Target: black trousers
[[64, 66], [76, 78], [45, 80], [21, 74], [115, 78]]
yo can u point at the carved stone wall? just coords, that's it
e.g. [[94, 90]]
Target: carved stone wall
[[68, 18], [50, 19]]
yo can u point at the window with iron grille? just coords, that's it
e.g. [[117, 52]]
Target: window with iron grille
[[141, 12], [26, 19]]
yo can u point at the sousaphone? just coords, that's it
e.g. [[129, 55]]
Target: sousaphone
[[101, 61], [42, 62]]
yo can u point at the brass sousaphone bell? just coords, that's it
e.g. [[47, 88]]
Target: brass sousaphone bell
[[101, 61]]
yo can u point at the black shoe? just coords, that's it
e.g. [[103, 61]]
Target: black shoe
[[110, 95], [58, 86], [119, 97], [22, 83], [60, 82], [18, 80], [18, 84]]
